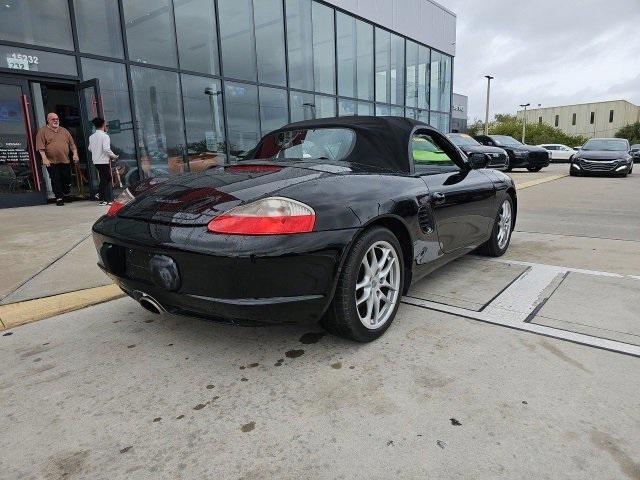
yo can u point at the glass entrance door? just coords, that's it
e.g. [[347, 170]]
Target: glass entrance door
[[19, 177], [90, 107]]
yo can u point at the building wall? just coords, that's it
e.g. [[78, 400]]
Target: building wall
[[624, 113], [423, 20], [196, 83], [459, 115]]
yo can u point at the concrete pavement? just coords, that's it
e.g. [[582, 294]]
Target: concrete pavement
[[115, 392]]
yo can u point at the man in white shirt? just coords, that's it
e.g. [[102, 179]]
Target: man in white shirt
[[101, 155]]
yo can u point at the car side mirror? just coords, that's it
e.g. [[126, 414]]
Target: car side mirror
[[478, 160]]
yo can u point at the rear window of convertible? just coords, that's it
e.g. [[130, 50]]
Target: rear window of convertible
[[314, 144]]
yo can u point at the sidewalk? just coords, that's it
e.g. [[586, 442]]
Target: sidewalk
[[46, 251]]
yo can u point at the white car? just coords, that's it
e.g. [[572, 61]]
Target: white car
[[559, 152]]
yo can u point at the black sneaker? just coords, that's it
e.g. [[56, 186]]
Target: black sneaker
[[59, 202]]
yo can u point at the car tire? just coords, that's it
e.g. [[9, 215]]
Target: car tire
[[343, 317], [534, 169], [496, 246], [573, 173]]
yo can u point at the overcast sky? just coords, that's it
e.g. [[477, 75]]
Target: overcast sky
[[552, 52]]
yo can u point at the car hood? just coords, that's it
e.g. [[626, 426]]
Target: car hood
[[601, 155], [481, 149], [197, 198]]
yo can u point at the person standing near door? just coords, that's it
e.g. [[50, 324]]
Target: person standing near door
[[54, 144], [101, 155]]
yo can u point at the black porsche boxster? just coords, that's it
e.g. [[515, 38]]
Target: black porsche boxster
[[325, 221]]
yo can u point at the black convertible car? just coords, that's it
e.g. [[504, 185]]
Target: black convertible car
[[326, 220]]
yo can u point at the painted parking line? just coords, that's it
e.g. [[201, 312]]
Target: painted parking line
[[533, 183], [517, 304]]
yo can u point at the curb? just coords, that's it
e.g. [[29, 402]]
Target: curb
[[533, 183], [21, 313]]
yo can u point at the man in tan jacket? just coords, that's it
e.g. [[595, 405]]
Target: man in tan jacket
[[54, 144]]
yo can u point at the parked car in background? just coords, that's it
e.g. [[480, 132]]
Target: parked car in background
[[494, 157], [559, 152], [532, 158], [603, 156], [635, 152]]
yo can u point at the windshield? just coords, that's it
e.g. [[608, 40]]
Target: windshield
[[607, 145], [462, 140], [505, 140], [313, 144]]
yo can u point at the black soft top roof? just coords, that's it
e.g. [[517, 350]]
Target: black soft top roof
[[381, 142]]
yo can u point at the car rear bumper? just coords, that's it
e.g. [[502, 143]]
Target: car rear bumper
[[231, 278], [531, 161]]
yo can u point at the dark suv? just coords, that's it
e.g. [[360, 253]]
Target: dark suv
[[635, 152], [520, 155]]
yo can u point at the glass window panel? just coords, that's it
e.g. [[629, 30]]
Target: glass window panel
[[242, 117], [440, 82], [412, 74], [410, 113], [325, 106], [397, 111], [237, 39], [270, 41], [41, 22], [440, 121], [300, 44], [197, 37], [273, 109], [365, 108], [396, 76], [324, 64], [346, 107], [158, 121], [364, 44], [423, 116], [383, 110], [303, 106], [150, 34], [346, 38], [98, 24], [383, 63], [37, 61], [204, 122], [117, 112], [423, 67]]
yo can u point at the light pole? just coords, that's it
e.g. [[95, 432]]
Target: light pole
[[524, 121], [486, 117], [213, 92]]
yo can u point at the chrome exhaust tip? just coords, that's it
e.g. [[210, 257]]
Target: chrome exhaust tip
[[151, 304]]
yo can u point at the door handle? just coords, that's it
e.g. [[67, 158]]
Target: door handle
[[438, 198]]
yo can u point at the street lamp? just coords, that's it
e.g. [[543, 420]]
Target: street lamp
[[524, 121], [313, 109], [486, 117], [213, 92]]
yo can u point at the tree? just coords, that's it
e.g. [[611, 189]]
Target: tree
[[537, 133], [630, 132]]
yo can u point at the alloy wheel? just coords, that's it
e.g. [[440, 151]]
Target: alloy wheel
[[504, 224], [378, 285]]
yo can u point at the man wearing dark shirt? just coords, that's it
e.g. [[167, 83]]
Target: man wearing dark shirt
[[54, 144]]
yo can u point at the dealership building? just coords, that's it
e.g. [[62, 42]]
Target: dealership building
[[189, 84]]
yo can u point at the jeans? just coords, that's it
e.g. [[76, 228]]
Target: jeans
[[105, 187]]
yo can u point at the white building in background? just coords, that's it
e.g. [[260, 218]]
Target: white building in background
[[598, 119]]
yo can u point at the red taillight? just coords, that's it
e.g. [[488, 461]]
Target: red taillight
[[125, 197], [270, 216], [114, 208]]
